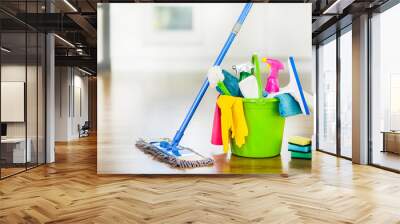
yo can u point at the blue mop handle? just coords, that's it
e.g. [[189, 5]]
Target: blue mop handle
[[235, 30]]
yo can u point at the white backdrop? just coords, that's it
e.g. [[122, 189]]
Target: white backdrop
[[12, 101]]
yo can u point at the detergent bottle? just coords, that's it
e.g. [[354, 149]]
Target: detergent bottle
[[243, 70], [272, 85]]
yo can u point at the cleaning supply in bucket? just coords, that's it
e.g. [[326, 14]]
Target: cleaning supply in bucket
[[243, 70], [249, 87], [232, 84], [257, 73], [170, 151], [288, 106], [294, 87], [244, 75], [216, 135], [216, 78], [232, 120], [272, 85]]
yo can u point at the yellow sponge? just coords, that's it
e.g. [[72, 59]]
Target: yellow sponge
[[298, 140]]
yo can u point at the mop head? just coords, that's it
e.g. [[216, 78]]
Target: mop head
[[187, 159]]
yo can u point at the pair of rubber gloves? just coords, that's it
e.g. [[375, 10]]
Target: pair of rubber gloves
[[229, 119]]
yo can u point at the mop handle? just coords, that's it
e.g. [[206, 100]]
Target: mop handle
[[235, 30]]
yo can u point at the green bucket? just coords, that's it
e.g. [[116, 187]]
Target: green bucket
[[265, 129]]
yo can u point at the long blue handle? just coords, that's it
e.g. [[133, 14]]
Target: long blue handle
[[179, 134]]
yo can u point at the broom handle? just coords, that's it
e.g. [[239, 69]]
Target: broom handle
[[235, 30]]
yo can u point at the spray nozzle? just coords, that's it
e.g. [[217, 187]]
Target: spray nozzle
[[245, 67], [273, 64], [272, 81], [243, 70]]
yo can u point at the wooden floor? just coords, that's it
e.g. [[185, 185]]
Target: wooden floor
[[386, 159], [70, 191], [5, 172]]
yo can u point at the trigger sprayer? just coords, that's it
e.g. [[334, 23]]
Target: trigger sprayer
[[272, 81], [243, 70]]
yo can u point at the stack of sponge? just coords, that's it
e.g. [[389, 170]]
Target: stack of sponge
[[300, 147]]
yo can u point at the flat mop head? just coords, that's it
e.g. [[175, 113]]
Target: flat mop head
[[176, 157]]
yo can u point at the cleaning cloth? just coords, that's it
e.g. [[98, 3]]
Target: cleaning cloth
[[232, 120], [298, 148], [301, 155], [298, 140], [288, 106], [216, 136], [231, 83]]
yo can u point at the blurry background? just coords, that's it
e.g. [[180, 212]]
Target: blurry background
[[152, 60]]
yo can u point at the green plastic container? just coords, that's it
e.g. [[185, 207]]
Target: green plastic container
[[265, 129]]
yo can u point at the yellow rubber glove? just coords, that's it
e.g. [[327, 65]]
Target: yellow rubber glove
[[232, 120]]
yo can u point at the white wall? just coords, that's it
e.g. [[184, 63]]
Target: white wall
[[62, 81], [265, 32], [314, 100], [12, 73], [33, 126], [13, 101], [69, 84], [81, 94]]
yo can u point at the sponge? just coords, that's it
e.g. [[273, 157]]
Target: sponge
[[301, 155], [297, 148], [298, 140]]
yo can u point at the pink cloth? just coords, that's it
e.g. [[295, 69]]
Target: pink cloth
[[216, 136]]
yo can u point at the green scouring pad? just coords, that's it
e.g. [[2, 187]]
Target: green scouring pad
[[301, 155]]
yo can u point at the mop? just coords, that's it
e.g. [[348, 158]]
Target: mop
[[171, 152]]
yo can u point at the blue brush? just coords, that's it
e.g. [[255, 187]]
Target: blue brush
[[170, 151]]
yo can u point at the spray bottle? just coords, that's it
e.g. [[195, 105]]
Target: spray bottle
[[272, 81], [243, 70]]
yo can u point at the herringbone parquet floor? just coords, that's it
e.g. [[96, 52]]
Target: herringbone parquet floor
[[70, 191]]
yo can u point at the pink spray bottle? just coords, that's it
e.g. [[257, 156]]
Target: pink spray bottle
[[272, 81]]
